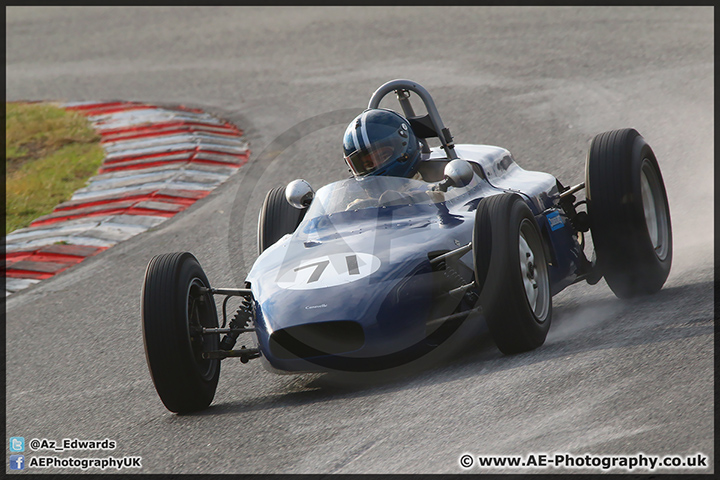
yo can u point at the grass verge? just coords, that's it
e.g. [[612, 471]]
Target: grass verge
[[49, 153]]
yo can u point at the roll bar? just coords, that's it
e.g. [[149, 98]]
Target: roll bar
[[429, 125]]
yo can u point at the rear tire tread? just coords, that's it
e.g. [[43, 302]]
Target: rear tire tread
[[625, 255]]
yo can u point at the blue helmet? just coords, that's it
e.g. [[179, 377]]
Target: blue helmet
[[381, 142]]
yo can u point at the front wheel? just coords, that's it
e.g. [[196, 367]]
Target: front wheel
[[629, 213], [175, 307], [511, 271]]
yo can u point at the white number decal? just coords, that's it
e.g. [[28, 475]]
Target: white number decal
[[329, 271]]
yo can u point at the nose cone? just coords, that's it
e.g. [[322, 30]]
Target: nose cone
[[355, 307], [363, 289]]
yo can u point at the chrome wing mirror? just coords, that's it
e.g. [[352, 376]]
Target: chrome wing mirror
[[458, 173], [299, 194]]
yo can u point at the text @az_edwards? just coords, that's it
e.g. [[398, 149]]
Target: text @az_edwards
[[37, 444]]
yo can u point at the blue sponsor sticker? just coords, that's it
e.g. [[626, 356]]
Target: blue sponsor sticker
[[554, 220]]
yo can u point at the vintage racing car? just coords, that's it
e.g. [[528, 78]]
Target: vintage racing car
[[367, 273]]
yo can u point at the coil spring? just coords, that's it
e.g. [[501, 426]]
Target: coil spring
[[241, 319], [453, 277], [243, 316], [456, 280]]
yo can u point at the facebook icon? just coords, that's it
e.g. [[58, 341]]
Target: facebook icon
[[17, 462]]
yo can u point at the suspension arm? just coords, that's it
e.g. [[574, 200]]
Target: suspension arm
[[455, 316], [452, 253], [572, 190], [245, 354], [209, 331]]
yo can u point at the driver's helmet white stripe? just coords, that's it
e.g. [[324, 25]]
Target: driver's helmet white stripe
[[363, 129]]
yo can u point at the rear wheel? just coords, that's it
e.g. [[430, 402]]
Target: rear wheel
[[175, 308], [277, 218], [512, 272], [629, 213]]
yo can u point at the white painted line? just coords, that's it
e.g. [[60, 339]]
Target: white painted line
[[176, 147], [88, 102], [218, 157], [197, 177], [44, 242], [158, 185], [12, 285], [81, 225], [59, 230], [166, 174], [174, 166], [138, 173], [146, 221], [101, 235], [158, 140], [144, 117], [152, 151], [113, 232], [110, 230]]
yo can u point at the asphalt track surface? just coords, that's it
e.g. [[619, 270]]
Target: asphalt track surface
[[614, 377]]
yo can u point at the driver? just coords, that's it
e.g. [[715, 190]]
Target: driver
[[381, 142]]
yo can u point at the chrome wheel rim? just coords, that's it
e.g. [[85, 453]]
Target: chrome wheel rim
[[533, 269], [656, 218]]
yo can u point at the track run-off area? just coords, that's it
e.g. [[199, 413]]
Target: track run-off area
[[614, 377]]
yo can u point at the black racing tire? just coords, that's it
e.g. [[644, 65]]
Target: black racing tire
[[173, 310], [277, 218], [511, 271], [629, 213]]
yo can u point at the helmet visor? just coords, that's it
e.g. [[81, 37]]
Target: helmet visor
[[364, 162]]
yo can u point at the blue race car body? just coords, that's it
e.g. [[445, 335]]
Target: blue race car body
[[353, 286]]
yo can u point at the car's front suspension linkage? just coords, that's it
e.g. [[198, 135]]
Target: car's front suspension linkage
[[579, 220], [245, 354], [238, 324]]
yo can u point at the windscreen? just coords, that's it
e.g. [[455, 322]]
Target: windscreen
[[378, 191]]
